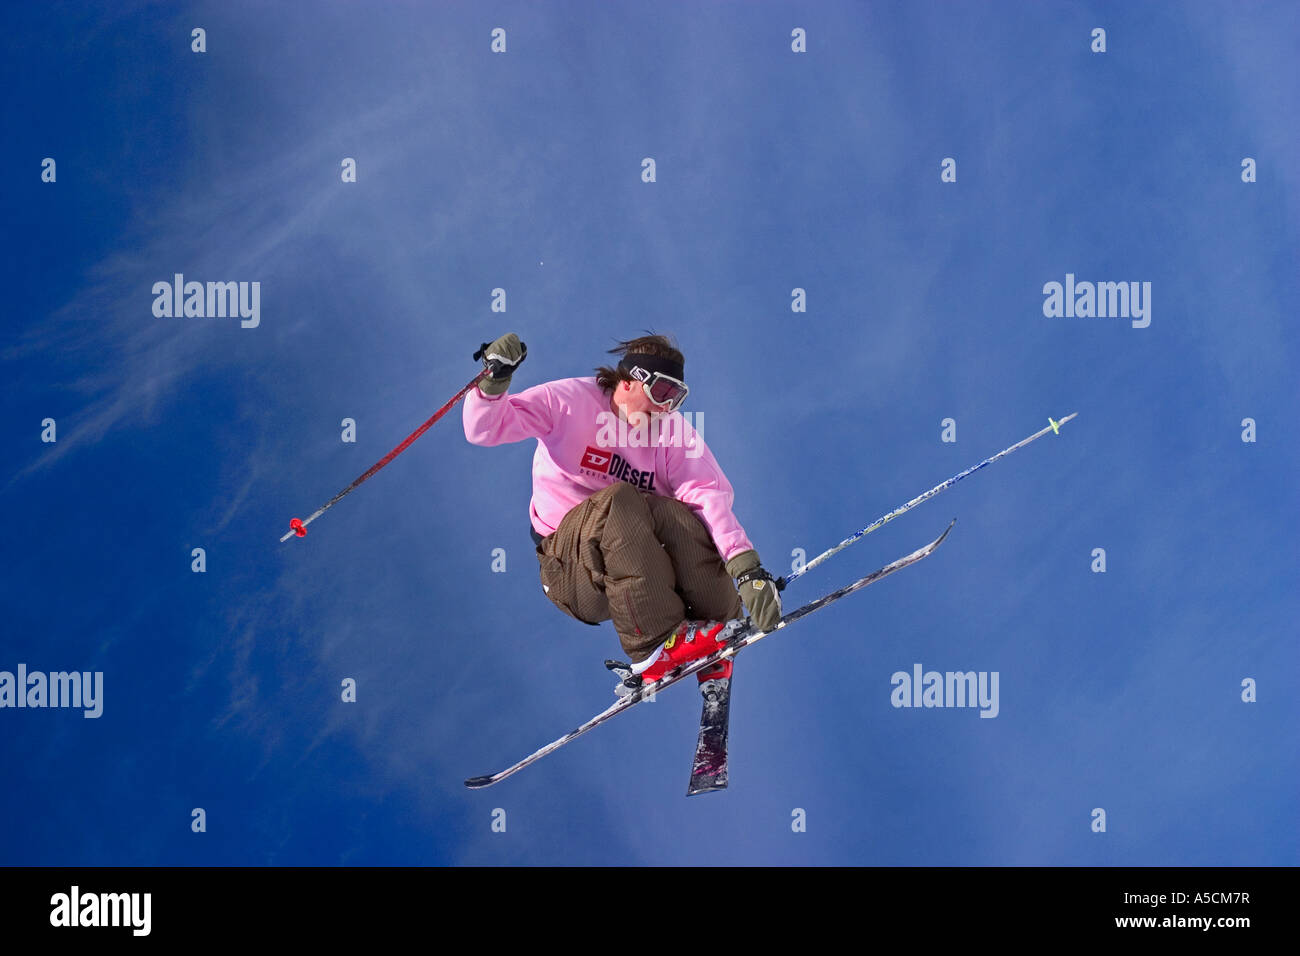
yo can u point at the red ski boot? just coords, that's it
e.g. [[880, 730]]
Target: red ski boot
[[688, 642], [718, 671]]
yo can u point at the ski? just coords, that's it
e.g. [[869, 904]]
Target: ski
[[709, 769], [745, 635]]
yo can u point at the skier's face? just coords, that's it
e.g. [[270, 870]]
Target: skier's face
[[630, 397]]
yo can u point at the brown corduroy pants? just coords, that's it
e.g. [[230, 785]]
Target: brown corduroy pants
[[646, 561]]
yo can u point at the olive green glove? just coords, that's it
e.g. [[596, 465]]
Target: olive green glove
[[757, 589], [501, 358]]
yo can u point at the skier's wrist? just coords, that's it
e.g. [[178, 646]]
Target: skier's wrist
[[742, 562]]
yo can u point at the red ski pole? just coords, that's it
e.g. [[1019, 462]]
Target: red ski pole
[[299, 527]]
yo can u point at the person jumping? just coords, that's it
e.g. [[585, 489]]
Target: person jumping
[[631, 514]]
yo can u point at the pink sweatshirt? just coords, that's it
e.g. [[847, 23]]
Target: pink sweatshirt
[[579, 453]]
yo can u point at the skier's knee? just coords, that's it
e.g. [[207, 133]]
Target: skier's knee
[[671, 511], [623, 495]]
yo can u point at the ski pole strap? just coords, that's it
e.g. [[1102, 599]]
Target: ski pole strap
[[757, 574]]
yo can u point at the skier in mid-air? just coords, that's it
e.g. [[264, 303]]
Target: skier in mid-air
[[637, 529]]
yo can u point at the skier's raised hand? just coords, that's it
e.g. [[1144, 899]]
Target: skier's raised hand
[[501, 357], [757, 589]]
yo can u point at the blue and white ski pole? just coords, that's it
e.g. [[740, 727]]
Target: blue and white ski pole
[[1053, 427]]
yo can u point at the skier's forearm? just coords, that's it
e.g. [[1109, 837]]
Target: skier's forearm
[[698, 480], [712, 500], [505, 418]]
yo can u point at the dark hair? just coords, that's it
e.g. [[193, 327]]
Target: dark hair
[[661, 345]]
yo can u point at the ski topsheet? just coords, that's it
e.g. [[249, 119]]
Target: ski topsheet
[[709, 769], [742, 639]]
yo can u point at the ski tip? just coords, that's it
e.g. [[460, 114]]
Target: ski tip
[[707, 783], [478, 783]]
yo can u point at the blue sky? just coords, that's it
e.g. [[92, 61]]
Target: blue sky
[[775, 170]]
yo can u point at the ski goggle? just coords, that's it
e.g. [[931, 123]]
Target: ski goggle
[[664, 390]]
